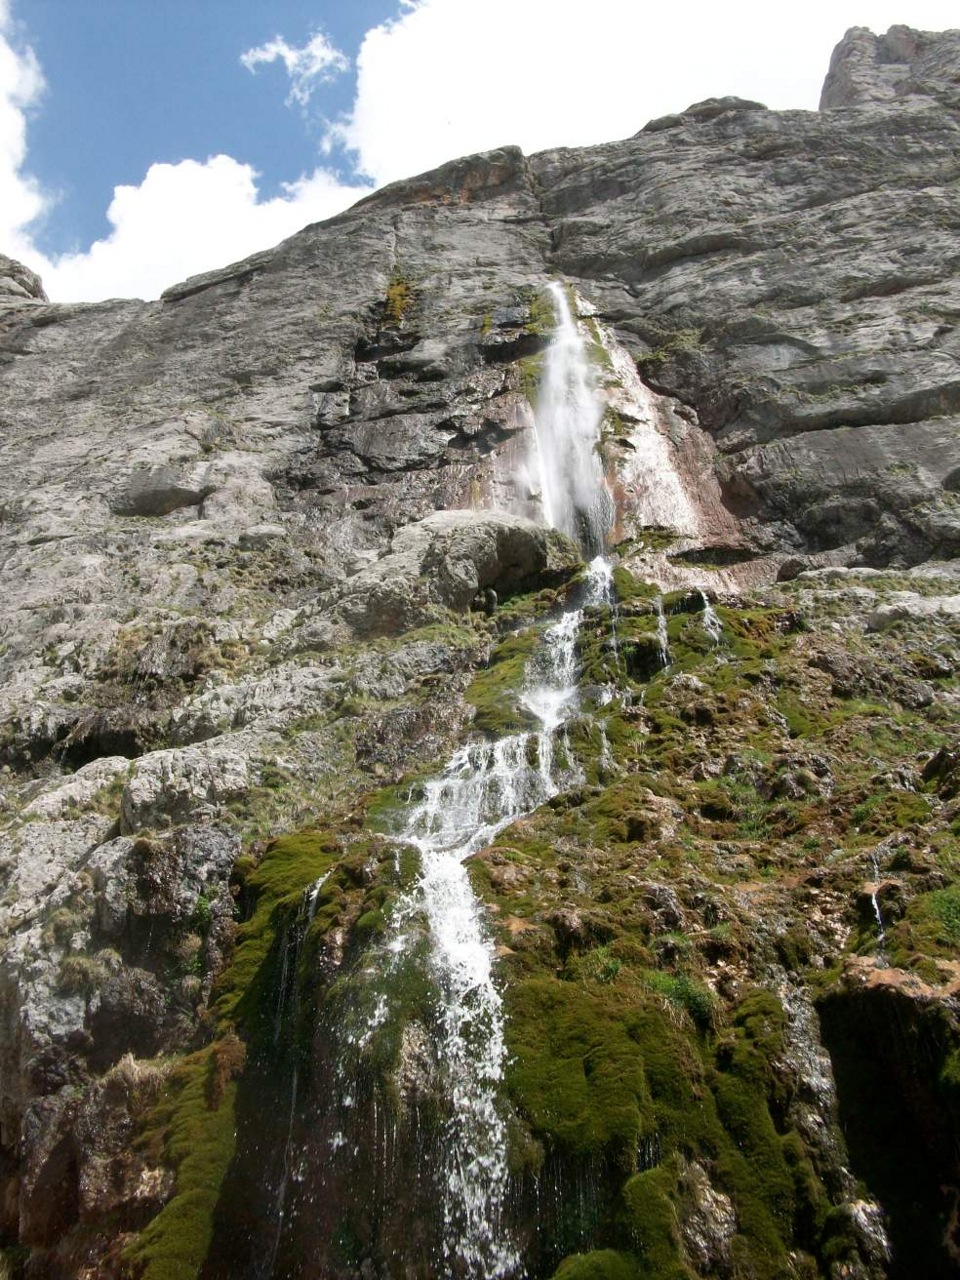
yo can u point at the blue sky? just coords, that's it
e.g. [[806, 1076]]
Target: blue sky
[[131, 82], [142, 141]]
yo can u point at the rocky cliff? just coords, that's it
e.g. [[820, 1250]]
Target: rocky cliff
[[273, 547]]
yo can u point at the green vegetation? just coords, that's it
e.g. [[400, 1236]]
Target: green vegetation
[[675, 344], [495, 691], [400, 296], [192, 1129], [722, 830]]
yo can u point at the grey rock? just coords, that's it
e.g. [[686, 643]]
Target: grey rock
[[866, 68], [182, 785], [18, 283], [442, 561]]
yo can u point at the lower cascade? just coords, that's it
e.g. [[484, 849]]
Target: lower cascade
[[484, 788]]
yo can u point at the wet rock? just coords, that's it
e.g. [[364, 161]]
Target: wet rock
[[709, 1224]]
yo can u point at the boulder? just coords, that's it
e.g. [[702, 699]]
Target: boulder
[[444, 560]]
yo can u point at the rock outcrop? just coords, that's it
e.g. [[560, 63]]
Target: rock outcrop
[[270, 549], [19, 283]]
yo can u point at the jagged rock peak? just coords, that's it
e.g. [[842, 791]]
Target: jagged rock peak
[[18, 281], [866, 68]]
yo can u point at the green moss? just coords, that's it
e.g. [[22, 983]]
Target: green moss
[[884, 812], [650, 1217], [289, 866], [531, 375], [198, 1140], [628, 588], [495, 691], [602, 1264], [575, 1070], [930, 928]]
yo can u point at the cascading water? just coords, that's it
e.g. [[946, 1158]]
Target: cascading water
[[486, 787], [711, 623], [437, 928], [574, 495], [663, 640], [877, 913]]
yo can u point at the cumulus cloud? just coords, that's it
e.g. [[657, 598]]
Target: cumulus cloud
[[21, 87], [449, 77], [187, 218], [182, 218], [309, 66]]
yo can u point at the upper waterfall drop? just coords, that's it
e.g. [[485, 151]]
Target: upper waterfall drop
[[569, 411]]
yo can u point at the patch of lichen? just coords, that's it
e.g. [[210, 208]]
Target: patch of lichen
[[673, 345]]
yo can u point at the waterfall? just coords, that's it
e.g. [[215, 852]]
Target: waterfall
[[484, 788], [438, 924], [663, 639], [572, 490], [877, 913], [711, 623]]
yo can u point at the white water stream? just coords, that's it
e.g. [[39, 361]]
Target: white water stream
[[569, 411], [484, 788]]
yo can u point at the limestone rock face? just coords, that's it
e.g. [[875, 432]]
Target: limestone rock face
[[445, 560], [221, 514], [866, 68]]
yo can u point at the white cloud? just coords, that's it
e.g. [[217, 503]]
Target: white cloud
[[21, 87], [182, 218], [307, 67], [186, 218], [449, 77]]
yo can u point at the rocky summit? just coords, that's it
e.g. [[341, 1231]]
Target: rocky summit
[[386, 893]]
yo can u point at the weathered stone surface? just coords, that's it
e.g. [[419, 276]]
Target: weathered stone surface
[[182, 785], [866, 68], [18, 283], [221, 512], [443, 560]]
